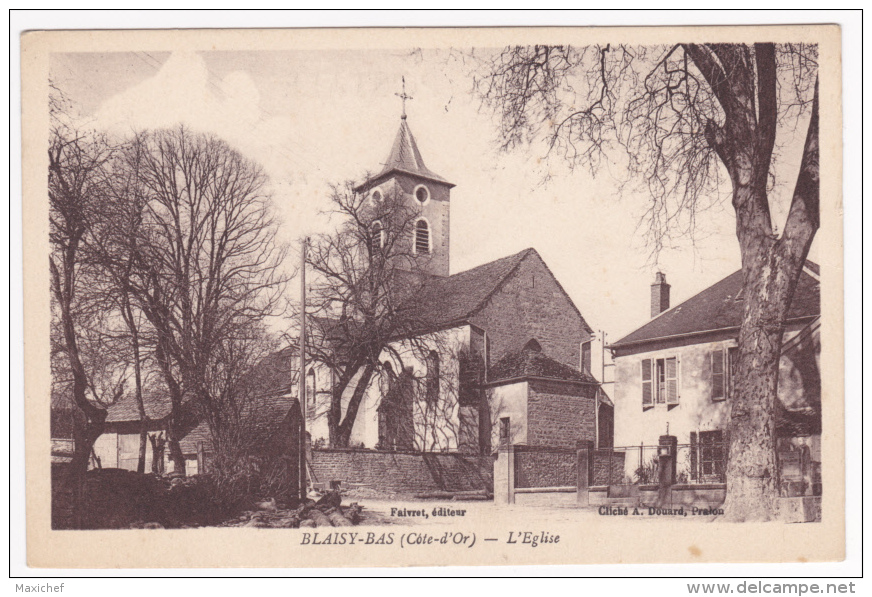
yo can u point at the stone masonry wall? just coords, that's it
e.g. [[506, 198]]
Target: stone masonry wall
[[560, 414], [602, 460], [531, 305], [404, 472]]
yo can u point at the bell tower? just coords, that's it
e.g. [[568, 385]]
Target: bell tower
[[426, 194]]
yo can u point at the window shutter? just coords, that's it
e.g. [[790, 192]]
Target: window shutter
[[718, 392], [694, 456], [647, 385], [732, 359], [672, 380]]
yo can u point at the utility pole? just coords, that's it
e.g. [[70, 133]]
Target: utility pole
[[302, 373]]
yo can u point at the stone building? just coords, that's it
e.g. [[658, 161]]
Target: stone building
[[476, 319]]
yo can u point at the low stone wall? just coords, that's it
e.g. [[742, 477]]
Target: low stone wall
[[545, 467], [537, 466], [701, 496], [404, 472], [603, 460]]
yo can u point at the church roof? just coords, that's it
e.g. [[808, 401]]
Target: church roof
[[720, 307], [454, 298], [443, 300], [530, 362], [405, 158]]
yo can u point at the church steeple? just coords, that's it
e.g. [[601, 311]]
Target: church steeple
[[426, 192], [405, 157]]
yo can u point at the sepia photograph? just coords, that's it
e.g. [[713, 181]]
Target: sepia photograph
[[433, 297]]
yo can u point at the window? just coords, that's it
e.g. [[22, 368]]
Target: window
[[432, 379], [585, 357], [378, 237], [722, 362], [422, 237], [376, 195], [659, 381], [504, 431], [422, 194], [711, 453]]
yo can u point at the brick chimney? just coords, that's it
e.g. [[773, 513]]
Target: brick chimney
[[659, 295]]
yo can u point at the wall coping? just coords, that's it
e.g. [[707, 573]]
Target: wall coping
[[562, 489], [398, 452], [676, 487]]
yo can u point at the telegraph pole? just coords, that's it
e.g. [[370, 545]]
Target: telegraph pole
[[302, 373]]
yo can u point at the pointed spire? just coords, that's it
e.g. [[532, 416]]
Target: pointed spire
[[405, 158]]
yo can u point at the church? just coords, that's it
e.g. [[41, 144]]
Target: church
[[507, 354], [504, 358]]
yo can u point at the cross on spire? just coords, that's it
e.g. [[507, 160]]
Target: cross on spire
[[404, 96]]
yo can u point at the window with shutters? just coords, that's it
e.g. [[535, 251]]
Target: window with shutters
[[732, 361], [647, 384], [671, 380], [722, 365], [422, 237], [719, 378], [660, 382]]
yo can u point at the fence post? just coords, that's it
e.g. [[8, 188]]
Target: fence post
[[667, 454], [504, 475], [584, 470]]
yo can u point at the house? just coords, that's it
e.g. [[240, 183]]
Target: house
[[272, 389], [674, 373], [118, 445]]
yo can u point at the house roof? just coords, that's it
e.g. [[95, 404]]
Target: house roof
[[157, 406], [530, 362], [405, 158], [720, 307]]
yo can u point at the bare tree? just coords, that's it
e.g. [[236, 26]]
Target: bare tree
[[362, 298], [116, 255], [77, 187], [206, 266], [686, 119]]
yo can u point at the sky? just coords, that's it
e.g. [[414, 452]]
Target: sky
[[312, 118]]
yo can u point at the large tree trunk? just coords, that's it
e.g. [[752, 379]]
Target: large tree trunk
[[342, 435], [175, 391], [752, 470], [771, 265]]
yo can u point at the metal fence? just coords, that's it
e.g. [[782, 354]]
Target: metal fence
[[694, 464], [547, 466]]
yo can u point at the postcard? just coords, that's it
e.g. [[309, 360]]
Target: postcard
[[425, 297]]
